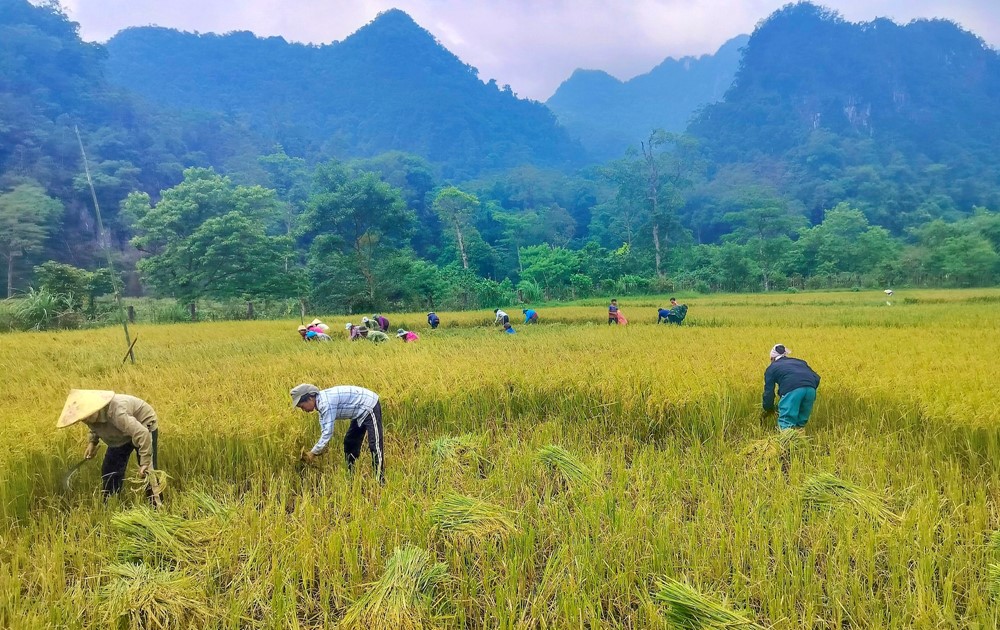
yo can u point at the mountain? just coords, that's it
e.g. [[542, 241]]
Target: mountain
[[899, 119], [389, 86], [608, 115]]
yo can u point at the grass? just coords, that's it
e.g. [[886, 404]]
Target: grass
[[665, 419]]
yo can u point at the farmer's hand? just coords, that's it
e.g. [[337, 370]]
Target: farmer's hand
[[90, 451], [143, 470], [308, 457]]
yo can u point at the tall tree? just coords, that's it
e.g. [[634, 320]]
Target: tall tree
[[456, 208], [764, 223], [27, 217]]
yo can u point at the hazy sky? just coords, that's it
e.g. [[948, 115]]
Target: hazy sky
[[533, 45]]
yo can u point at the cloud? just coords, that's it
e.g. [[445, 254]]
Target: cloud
[[533, 45]]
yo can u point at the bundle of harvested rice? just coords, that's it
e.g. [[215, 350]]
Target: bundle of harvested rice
[[462, 450], [774, 447], [403, 596], [995, 542], [152, 536], [688, 608], [210, 505], [570, 467], [825, 491], [470, 517], [152, 484], [139, 596], [995, 581]]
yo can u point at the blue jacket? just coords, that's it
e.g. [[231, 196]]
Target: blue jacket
[[528, 314], [788, 374]]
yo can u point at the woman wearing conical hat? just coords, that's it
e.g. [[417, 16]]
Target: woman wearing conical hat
[[124, 422]]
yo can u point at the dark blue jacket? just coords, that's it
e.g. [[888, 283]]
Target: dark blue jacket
[[788, 374], [432, 319]]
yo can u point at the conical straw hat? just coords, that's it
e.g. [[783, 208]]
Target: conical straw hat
[[82, 403]]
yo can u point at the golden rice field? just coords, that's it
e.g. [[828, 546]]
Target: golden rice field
[[573, 475]]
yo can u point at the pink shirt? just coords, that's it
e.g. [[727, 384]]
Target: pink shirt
[[411, 336]]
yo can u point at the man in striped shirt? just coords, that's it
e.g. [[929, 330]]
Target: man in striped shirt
[[345, 402]]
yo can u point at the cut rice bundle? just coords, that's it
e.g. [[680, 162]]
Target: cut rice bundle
[[403, 596], [569, 466], [153, 536], [140, 596], [688, 608], [461, 450], [826, 491], [775, 446], [470, 517]]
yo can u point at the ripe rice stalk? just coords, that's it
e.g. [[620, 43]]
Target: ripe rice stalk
[[210, 505], [140, 596], [569, 466], [994, 581], [470, 517], [774, 447], [826, 491], [152, 536], [155, 482], [461, 450], [688, 608], [403, 597], [995, 542]]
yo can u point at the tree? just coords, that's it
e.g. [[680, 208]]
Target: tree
[[456, 209], [208, 238], [27, 217], [764, 224]]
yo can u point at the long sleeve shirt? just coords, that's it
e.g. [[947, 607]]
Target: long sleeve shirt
[[500, 316], [344, 402], [126, 419], [529, 315], [788, 374], [383, 323]]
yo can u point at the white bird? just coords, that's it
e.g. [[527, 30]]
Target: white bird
[[888, 291]]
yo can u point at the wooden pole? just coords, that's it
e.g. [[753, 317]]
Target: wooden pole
[[107, 250]]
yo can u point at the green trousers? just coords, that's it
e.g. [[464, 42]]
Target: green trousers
[[795, 406]]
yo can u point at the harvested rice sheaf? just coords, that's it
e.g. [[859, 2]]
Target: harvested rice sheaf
[[139, 596], [403, 597], [775, 446], [150, 536], [569, 466], [994, 580], [688, 608], [461, 450], [470, 517], [826, 491]]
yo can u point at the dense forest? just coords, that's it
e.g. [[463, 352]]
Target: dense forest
[[381, 173]]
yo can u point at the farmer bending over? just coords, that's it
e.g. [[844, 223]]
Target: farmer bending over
[[530, 316], [344, 402], [502, 318], [797, 384], [433, 319], [124, 422], [407, 335]]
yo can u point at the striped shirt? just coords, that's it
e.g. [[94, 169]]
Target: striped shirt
[[344, 402]]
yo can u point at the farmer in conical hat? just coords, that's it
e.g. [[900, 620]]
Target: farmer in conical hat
[[316, 323], [124, 422]]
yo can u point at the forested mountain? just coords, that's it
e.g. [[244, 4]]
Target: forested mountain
[[389, 86], [608, 115], [900, 120]]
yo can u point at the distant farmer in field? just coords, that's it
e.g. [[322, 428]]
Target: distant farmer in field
[[407, 335], [319, 326], [311, 334], [376, 336], [381, 322], [356, 332], [125, 423], [797, 384], [675, 315], [613, 312], [530, 316], [501, 317], [433, 319], [508, 329], [345, 402]]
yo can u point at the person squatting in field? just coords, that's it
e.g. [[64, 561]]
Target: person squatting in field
[[796, 383], [501, 317], [344, 402], [530, 316], [311, 334], [125, 423], [674, 315], [407, 335]]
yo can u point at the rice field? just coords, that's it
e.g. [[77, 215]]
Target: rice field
[[573, 475]]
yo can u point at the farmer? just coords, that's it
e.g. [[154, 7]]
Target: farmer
[[319, 326], [310, 334], [407, 335], [433, 319], [344, 402], [125, 423], [381, 322], [676, 314], [356, 332], [508, 329], [613, 312], [530, 316], [502, 318], [797, 384], [376, 336]]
